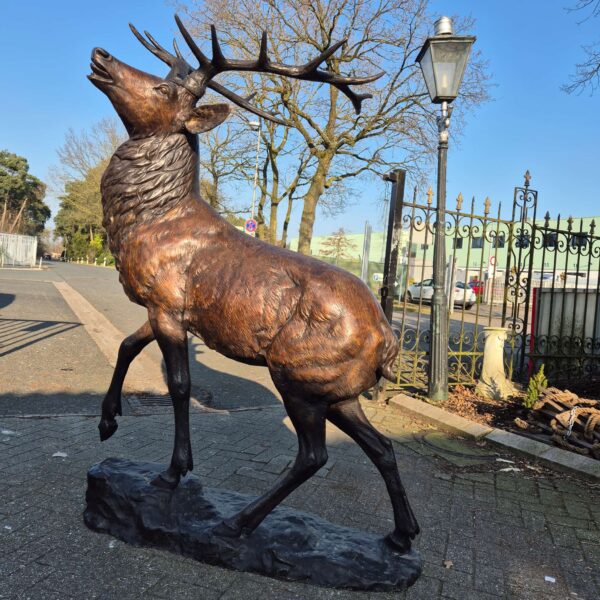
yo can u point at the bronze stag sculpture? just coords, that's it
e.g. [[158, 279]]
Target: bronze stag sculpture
[[318, 329]]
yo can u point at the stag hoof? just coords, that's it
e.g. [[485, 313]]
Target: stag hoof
[[228, 528], [107, 427], [167, 480], [399, 542]]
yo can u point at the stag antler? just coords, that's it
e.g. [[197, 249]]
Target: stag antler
[[181, 70], [307, 72], [197, 80]]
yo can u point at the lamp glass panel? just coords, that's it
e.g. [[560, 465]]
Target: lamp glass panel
[[449, 59], [427, 68]]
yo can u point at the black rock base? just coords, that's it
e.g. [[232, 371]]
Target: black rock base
[[289, 544]]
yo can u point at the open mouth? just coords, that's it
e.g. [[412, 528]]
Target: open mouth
[[99, 71]]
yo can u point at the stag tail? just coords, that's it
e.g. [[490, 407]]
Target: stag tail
[[390, 353]]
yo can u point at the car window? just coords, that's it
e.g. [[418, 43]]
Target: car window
[[427, 282], [460, 284]]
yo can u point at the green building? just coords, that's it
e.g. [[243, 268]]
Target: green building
[[560, 250]]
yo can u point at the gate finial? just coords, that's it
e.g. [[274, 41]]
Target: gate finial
[[429, 196], [527, 178], [459, 201]]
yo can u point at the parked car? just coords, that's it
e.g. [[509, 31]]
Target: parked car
[[462, 294], [478, 287]]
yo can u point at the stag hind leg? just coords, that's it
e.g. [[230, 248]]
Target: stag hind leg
[[348, 416], [309, 421], [172, 339], [111, 405]]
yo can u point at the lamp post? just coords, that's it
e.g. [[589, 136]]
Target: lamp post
[[442, 59], [255, 127]]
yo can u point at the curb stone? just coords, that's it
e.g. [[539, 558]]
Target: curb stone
[[551, 455]]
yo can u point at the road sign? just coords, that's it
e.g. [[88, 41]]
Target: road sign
[[492, 261], [250, 226]]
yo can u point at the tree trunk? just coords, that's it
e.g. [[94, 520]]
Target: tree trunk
[[274, 207], [273, 223], [214, 193], [314, 193], [274, 201], [286, 222], [18, 217], [260, 217], [260, 213], [4, 215]]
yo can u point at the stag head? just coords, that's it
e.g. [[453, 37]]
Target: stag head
[[149, 105]]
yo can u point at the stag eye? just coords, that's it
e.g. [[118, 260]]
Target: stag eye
[[163, 89]]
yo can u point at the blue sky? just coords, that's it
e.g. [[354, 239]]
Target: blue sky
[[531, 45]]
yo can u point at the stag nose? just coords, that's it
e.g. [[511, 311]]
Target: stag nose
[[100, 53]]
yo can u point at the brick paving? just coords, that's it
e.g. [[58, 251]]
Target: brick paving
[[487, 533], [502, 531]]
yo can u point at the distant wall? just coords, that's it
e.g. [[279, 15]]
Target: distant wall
[[17, 250]]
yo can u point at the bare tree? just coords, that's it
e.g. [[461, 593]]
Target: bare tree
[[587, 73], [281, 176], [81, 162], [337, 246], [225, 157], [396, 125], [85, 150]]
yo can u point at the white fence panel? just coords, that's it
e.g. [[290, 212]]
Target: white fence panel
[[17, 250]]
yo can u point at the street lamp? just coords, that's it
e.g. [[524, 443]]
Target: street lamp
[[442, 59], [255, 127]]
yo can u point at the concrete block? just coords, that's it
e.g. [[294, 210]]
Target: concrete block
[[572, 461], [440, 417], [555, 457], [517, 442]]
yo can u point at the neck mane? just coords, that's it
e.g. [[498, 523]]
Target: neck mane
[[146, 178]]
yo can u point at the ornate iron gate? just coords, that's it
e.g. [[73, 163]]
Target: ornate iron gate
[[516, 308], [539, 278], [477, 247], [555, 292]]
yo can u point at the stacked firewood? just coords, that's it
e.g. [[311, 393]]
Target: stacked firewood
[[568, 420]]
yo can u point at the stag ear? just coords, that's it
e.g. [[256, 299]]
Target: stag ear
[[206, 116]]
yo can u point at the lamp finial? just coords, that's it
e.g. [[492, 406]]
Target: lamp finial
[[443, 26]]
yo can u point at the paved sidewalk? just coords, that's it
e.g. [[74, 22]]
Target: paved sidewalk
[[498, 532]]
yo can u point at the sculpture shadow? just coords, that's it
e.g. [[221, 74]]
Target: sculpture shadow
[[222, 390], [215, 389], [16, 334], [6, 299]]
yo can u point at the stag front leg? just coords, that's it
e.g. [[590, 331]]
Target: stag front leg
[[309, 421], [172, 339], [350, 418], [111, 405]]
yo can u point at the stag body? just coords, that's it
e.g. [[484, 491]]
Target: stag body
[[318, 329]]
